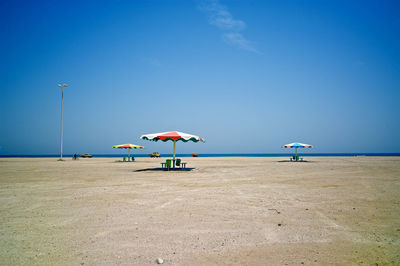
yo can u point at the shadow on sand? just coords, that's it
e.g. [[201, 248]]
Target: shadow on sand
[[289, 161], [166, 170]]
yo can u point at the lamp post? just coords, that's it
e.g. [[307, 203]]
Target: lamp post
[[62, 86]]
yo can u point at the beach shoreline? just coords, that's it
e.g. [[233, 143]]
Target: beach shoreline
[[229, 210]]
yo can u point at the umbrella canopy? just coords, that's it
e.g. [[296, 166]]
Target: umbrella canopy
[[172, 135], [297, 145], [129, 147]]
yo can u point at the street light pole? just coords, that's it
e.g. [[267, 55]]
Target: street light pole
[[62, 86]]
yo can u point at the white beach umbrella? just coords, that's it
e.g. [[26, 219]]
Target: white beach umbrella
[[172, 135]]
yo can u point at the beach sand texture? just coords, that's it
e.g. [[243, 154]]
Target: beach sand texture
[[229, 211]]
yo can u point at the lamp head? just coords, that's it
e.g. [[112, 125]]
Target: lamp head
[[63, 85]]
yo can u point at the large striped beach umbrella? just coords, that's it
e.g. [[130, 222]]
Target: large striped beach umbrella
[[297, 145], [129, 147], [173, 136]]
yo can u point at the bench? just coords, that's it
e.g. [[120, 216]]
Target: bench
[[296, 159], [178, 163], [167, 164]]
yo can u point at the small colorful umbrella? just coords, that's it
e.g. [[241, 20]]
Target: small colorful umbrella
[[297, 145], [174, 136], [129, 147]]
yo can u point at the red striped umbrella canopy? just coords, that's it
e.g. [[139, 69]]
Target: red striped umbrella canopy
[[172, 135]]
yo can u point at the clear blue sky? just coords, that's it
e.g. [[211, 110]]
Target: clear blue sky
[[248, 76]]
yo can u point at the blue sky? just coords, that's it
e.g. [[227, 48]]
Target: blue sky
[[248, 76]]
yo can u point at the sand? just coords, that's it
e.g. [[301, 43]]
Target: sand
[[229, 211]]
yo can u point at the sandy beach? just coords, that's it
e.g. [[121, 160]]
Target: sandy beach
[[229, 211]]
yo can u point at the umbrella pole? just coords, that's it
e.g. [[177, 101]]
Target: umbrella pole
[[296, 152], [129, 154], [174, 154]]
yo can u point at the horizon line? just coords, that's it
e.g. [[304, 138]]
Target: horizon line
[[104, 155]]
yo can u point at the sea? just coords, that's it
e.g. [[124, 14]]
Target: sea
[[211, 155]]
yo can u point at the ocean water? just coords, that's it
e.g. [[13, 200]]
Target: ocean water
[[211, 155]]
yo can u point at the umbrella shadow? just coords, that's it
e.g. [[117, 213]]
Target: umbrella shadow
[[289, 161], [166, 170]]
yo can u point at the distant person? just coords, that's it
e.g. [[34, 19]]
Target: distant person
[[75, 156]]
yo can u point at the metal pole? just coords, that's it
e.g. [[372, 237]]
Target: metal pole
[[129, 154], [62, 103], [296, 153], [174, 153], [62, 100]]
